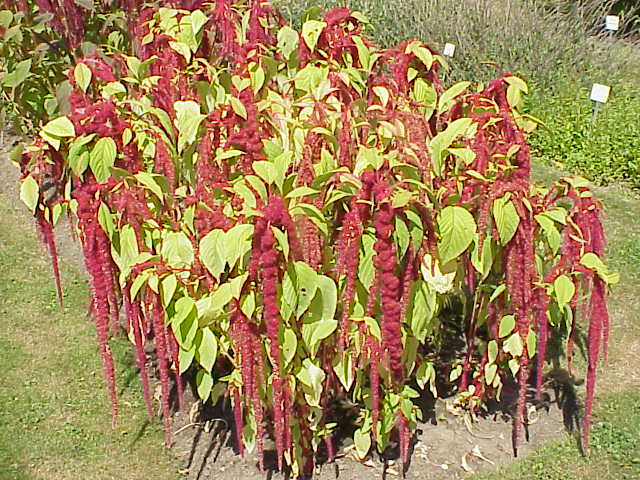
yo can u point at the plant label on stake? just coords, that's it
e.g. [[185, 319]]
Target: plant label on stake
[[599, 94], [449, 50], [612, 23]]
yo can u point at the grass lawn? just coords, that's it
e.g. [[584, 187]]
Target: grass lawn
[[55, 420]]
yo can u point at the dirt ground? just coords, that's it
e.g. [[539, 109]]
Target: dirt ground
[[446, 446]]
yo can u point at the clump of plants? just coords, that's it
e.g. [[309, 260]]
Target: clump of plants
[[286, 213]]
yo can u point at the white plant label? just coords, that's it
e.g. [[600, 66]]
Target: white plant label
[[612, 23], [449, 49], [600, 93]]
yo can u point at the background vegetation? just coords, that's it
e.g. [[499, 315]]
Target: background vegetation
[[558, 47]]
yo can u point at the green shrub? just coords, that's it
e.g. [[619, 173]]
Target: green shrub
[[542, 41], [606, 150]]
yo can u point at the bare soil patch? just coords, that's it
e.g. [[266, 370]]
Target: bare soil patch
[[447, 446]]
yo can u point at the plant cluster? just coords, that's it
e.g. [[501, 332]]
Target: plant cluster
[[544, 41], [605, 149], [286, 213], [558, 46]]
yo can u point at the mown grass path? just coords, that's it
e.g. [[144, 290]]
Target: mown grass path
[[55, 420]]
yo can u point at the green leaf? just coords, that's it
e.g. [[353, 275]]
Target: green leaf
[[177, 250], [314, 214], [207, 349], [311, 376], [185, 358], [507, 324], [442, 141], [185, 323], [423, 54], [373, 327], [490, 371], [248, 304], [102, 158], [497, 292], [425, 374], [310, 77], [482, 263], [301, 192], [551, 233], [564, 290], [282, 241], [362, 442], [113, 89], [29, 193], [307, 285], [364, 54], [198, 21], [319, 323], [457, 228], [383, 94], [287, 41], [128, 253], [82, 75], [182, 48], [465, 154], [138, 283], [60, 127], [506, 218], [168, 288], [343, 368], [238, 107], [447, 99], [183, 308], [423, 308], [513, 345], [265, 170], [593, 262], [257, 77], [210, 252], [79, 154], [516, 87], [188, 119], [149, 181], [6, 18], [368, 157], [532, 340], [212, 306], [329, 292], [514, 366], [455, 373], [249, 430], [17, 75], [289, 346], [204, 383], [492, 351], [311, 31], [366, 270], [425, 93], [237, 243], [314, 333]]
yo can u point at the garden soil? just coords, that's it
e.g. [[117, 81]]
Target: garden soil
[[448, 445]]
